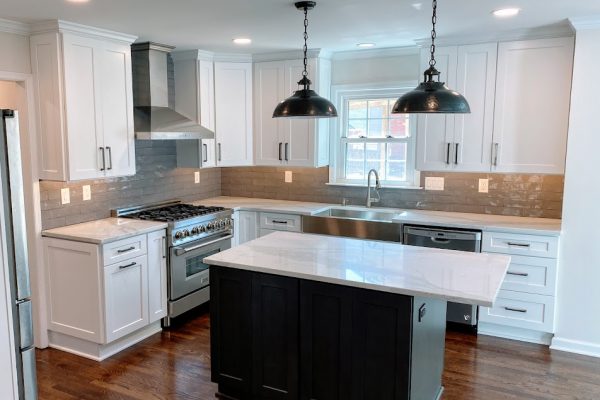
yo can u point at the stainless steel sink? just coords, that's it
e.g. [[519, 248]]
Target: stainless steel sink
[[363, 224]]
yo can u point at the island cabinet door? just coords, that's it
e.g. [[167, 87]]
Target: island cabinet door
[[325, 341], [274, 337], [231, 322], [381, 345]]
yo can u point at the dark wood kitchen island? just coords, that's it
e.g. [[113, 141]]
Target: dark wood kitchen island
[[297, 316]]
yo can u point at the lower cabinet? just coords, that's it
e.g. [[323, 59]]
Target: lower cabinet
[[275, 337]]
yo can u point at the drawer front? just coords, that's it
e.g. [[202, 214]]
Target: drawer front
[[124, 249], [521, 245], [281, 222], [531, 275], [521, 310]]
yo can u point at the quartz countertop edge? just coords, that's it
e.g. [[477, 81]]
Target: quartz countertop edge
[[104, 230], [469, 278]]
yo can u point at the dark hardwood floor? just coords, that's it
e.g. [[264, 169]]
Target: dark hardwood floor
[[175, 365]]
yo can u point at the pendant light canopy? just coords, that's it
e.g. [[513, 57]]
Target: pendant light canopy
[[432, 96], [305, 103]]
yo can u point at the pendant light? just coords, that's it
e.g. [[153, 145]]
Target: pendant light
[[432, 96], [305, 103]]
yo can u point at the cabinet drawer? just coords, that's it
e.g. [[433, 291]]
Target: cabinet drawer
[[524, 245], [124, 249], [531, 275], [281, 222], [521, 310]]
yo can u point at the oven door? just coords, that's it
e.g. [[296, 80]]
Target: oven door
[[187, 272]]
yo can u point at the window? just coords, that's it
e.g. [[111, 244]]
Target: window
[[369, 137]]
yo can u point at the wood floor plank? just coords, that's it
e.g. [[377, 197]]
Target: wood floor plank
[[175, 365]]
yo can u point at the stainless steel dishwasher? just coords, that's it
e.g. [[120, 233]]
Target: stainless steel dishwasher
[[449, 239]]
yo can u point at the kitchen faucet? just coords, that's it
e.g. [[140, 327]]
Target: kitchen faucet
[[377, 187]]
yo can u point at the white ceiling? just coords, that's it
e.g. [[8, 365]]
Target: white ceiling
[[276, 25]]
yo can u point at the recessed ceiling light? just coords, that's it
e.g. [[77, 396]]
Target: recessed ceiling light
[[78, 1], [242, 40], [365, 45], [506, 12]]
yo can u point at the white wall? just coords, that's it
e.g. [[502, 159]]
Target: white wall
[[399, 68], [578, 311]]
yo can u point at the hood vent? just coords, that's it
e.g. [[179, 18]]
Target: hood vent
[[153, 118]]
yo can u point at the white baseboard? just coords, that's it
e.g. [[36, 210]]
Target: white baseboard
[[575, 346], [509, 332]]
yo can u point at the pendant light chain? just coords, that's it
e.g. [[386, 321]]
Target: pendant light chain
[[305, 48], [433, 34]]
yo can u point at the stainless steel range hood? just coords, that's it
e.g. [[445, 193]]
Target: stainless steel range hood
[[153, 118]]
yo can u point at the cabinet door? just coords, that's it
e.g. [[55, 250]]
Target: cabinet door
[[435, 133], [233, 113], [274, 337], [83, 104], [231, 324], [299, 133], [532, 105], [476, 80], [157, 276], [269, 89], [325, 341], [117, 109], [126, 297], [206, 94], [247, 226]]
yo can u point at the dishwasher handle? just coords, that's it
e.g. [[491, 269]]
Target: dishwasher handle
[[442, 235]]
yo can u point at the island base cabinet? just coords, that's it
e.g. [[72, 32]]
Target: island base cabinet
[[276, 337]]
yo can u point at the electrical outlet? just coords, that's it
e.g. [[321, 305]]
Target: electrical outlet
[[434, 183], [484, 185], [87, 192], [65, 196], [197, 177], [288, 176]]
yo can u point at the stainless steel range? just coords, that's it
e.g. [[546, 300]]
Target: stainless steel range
[[193, 233]]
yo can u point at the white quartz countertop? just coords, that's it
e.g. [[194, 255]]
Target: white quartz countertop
[[471, 278], [104, 230], [268, 205]]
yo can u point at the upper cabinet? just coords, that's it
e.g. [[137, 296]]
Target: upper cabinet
[[84, 102], [285, 141], [508, 129]]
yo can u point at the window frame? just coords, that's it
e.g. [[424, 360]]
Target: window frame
[[341, 94]]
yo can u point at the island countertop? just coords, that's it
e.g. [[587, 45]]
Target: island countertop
[[470, 278]]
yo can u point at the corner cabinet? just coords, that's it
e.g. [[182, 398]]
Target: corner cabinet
[[509, 129], [104, 298], [84, 102], [284, 141]]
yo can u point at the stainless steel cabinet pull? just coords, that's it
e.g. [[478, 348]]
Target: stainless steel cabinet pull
[[517, 273], [521, 310], [280, 145], [525, 245], [496, 145], [103, 159], [438, 240], [205, 147], [279, 222], [219, 151], [126, 250], [287, 153], [448, 154], [109, 157], [456, 154], [127, 265]]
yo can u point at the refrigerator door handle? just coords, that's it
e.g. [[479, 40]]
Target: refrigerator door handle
[[24, 313]]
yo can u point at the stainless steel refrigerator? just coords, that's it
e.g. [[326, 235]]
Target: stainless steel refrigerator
[[15, 234]]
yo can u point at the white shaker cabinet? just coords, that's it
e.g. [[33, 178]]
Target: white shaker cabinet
[[157, 276], [84, 102], [195, 98], [233, 113], [285, 141], [245, 227], [533, 93]]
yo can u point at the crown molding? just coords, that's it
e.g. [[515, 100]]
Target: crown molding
[[376, 53], [585, 23], [71, 27], [195, 55], [14, 27], [290, 55], [545, 32], [232, 57]]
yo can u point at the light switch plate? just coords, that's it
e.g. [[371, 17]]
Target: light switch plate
[[434, 183], [288, 176], [65, 196], [197, 177], [484, 185], [87, 192]]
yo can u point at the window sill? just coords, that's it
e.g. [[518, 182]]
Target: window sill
[[364, 185]]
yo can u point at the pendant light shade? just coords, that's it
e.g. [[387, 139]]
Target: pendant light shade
[[432, 96], [305, 102]]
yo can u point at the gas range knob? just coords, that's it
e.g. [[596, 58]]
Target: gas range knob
[[186, 233], [202, 228], [195, 230], [209, 226], [222, 223], [178, 235]]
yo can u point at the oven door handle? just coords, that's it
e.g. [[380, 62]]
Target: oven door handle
[[180, 251]]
